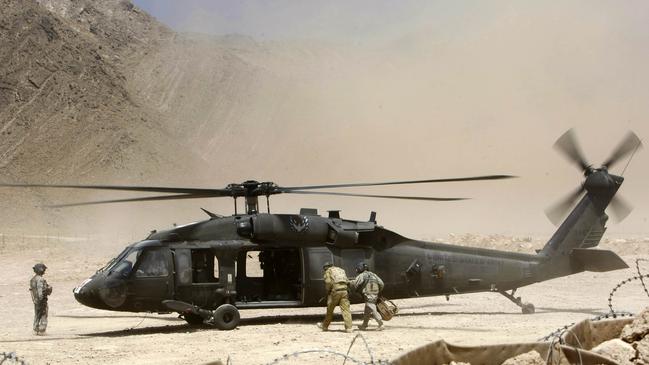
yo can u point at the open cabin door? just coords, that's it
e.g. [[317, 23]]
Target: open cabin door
[[201, 276], [269, 277]]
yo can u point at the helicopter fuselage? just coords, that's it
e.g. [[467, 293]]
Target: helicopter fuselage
[[269, 260]]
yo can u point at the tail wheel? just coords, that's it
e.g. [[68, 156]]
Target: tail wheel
[[226, 317], [528, 308]]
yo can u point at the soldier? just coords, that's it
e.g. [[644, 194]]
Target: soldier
[[336, 286], [370, 285], [40, 291]]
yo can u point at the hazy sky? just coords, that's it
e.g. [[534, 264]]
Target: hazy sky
[[451, 88], [352, 21]]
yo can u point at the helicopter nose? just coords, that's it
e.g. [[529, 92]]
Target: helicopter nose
[[87, 295]]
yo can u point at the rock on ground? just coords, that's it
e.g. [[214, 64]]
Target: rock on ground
[[528, 358], [617, 350], [642, 351], [637, 329]]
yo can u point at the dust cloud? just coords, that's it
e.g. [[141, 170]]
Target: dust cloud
[[486, 91]]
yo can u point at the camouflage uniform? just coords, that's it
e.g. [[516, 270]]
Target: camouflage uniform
[[40, 290], [370, 285], [335, 281]]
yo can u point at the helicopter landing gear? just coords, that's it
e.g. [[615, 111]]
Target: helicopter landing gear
[[225, 317], [193, 319], [526, 308]]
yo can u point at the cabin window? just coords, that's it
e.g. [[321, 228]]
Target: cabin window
[[153, 263], [254, 264], [205, 266]]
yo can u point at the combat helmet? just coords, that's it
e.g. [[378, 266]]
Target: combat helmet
[[361, 266], [39, 268], [327, 265]]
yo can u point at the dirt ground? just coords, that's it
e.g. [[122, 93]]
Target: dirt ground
[[80, 335]]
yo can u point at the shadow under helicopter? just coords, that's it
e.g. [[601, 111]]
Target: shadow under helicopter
[[314, 318]]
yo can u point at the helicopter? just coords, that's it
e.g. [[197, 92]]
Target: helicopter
[[210, 270]]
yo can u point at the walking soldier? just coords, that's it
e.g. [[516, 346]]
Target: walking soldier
[[336, 285], [370, 285]]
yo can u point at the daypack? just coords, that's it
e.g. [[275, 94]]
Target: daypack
[[338, 275], [386, 308]]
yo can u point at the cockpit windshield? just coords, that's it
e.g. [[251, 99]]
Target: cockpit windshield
[[114, 260], [123, 263]]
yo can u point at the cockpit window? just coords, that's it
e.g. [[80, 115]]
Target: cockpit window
[[114, 260], [153, 263], [124, 266]]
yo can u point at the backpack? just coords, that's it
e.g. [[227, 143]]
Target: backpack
[[338, 275], [386, 308]]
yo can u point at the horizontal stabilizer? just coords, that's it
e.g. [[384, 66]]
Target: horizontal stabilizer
[[596, 260]]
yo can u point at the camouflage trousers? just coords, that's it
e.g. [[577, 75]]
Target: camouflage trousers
[[40, 317], [370, 310], [334, 299]]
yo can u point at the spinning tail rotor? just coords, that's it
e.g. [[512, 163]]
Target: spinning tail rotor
[[598, 180]]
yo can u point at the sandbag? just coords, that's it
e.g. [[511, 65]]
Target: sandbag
[[577, 339], [588, 334], [440, 352]]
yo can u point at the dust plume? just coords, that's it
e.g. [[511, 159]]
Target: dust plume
[[438, 91]]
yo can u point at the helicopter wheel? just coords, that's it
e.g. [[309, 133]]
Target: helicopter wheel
[[193, 319], [226, 317], [528, 308]]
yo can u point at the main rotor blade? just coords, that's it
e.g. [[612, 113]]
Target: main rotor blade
[[142, 199], [374, 196], [156, 189], [568, 145], [620, 208], [473, 178], [628, 144], [559, 210]]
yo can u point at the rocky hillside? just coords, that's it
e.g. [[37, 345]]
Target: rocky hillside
[[66, 112]]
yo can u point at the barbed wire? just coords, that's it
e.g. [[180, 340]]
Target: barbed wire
[[12, 358], [559, 333], [640, 277], [332, 352], [367, 347]]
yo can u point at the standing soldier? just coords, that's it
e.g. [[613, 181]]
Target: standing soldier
[[370, 285], [40, 291], [336, 286]]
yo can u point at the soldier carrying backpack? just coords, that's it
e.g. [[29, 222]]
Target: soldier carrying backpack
[[370, 285]]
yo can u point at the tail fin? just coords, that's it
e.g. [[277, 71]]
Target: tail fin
[[585, 225], [568, 250], [583, 228]]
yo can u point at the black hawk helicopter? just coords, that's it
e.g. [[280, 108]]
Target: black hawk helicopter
[[207, 271]]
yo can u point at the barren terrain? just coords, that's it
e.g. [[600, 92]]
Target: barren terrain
[[103, 93], [77, 334]]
